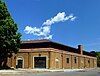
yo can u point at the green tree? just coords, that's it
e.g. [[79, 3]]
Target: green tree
[[98, 58], [9, 36], [97, 54]]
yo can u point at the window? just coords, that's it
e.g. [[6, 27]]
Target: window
[[67, 59], [20, 62], [88, 61], [75, 60]]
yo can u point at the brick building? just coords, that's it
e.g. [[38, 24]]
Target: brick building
[[51, 55]]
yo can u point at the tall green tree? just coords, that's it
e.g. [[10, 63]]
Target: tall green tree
[[9, 36]]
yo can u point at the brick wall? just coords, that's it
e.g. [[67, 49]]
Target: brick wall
[[55, 59]]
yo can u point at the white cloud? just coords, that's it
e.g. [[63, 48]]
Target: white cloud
[[60, 17], [34, 30], [48, 37], [44, 31], [72, 19], [28, 29]]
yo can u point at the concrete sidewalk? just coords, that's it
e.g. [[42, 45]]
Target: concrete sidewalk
[[40, 70]]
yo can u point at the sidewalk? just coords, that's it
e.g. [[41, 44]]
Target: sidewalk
[[38, 70]]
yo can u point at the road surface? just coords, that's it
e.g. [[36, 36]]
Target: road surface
[[93, 72]]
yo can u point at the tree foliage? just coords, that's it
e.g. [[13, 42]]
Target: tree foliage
[[9, 37], [98, 58], [97, 54]]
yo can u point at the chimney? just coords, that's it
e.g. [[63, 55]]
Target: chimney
[[80, 49]]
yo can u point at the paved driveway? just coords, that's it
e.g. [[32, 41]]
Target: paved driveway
[[94, 72]]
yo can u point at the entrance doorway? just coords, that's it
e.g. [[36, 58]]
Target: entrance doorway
[[39, 62], [19, 62]]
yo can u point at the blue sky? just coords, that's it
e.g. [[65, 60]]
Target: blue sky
[[70, 22]]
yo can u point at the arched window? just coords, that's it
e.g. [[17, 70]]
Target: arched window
[[20, 62]]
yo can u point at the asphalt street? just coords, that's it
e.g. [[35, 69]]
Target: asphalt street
[[93, 72]]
